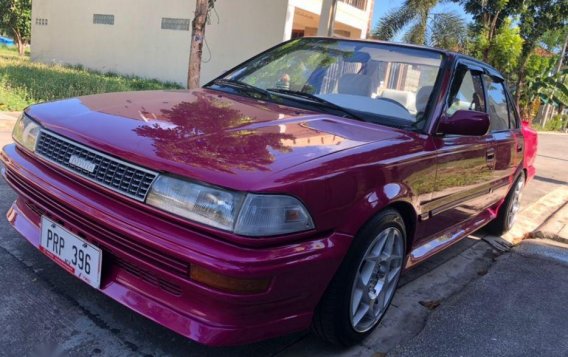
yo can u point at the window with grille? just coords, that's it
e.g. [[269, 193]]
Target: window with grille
[[99, 19], [40, 21], [175, 24]]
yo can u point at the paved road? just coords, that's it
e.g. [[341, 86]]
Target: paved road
[[44, 309], [529, 319], [552, 166]]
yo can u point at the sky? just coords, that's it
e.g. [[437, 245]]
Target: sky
[[384, 6]]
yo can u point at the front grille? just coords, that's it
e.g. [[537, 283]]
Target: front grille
[[105, 238], [117, 175]]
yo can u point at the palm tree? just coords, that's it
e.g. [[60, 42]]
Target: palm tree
[[414, 13], [448, 31]]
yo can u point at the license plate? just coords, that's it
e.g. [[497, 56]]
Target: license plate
[[74, 254]]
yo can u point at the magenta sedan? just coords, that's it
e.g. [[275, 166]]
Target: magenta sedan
[[290, 192]]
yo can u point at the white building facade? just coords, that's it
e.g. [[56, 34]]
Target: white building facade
[[151, 38]]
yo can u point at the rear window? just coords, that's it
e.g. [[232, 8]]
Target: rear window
[[497, 104]]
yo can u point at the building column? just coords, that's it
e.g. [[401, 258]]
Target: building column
[[327, 17], [289, 24], [370, 11]]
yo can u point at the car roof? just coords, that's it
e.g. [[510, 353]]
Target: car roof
[[492, 71]]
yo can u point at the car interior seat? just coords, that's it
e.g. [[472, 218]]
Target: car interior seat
[[355, 84]]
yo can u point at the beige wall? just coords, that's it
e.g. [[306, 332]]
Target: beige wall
[[136, 44]]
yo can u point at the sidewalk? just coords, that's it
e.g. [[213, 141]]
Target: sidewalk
[[6, 117], [556, 227], [7, 121], [551, 133]]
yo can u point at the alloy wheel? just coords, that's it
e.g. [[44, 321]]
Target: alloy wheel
[[376, 279], [515, 203]]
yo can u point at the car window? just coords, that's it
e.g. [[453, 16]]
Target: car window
[[382, 83], [497, 105], [513, 120], [466, 92]]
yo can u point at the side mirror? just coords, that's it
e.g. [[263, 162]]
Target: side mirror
[[465, 122]]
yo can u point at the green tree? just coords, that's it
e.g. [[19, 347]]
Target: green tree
[[489, 16], [537, 18], [548, 89], [413, 13], [15, 19], [506, 48], [502, 51], [448, 31], [553, 40]]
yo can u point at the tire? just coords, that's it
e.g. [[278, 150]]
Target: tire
[[340, 317], [508, 210]]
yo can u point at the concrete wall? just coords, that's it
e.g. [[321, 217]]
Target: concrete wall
[[137, 45]]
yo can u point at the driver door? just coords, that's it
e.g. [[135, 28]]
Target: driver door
[[465, 163]]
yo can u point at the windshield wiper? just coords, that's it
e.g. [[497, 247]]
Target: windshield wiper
[[314, 98], [242, 85]]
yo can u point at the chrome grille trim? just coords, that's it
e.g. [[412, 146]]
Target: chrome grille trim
[[115, 174]]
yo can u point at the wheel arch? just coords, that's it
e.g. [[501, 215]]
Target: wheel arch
[[410, 218], [406, 211]]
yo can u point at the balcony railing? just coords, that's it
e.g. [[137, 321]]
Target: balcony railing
[[360, 4]]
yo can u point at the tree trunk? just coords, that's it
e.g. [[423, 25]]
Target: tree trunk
[[522, 74], [490, 35], [19, 42], [197, 38]]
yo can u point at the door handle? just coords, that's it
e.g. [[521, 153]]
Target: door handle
[[490, 156], [519, 148]]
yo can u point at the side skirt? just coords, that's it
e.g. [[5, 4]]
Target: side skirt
[[448, 237]]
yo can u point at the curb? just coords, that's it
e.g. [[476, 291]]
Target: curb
[[548, 235], [551, 133], [533, 219], [555, 227], [544, 248]]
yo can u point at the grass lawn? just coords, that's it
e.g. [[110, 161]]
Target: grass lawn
[[23, 82]]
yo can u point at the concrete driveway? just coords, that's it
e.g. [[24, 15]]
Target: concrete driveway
[[46, 311]]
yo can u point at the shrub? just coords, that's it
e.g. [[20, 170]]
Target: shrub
[[557, 123]]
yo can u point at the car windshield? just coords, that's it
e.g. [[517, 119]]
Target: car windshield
[[381, 83]]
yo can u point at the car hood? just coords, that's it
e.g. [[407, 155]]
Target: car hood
[[205, 135]]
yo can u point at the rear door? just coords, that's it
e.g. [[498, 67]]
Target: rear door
[[507, 145]]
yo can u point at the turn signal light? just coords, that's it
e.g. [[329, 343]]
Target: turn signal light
[[223, 282]]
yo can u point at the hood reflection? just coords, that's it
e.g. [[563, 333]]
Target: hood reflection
[[209, 132]]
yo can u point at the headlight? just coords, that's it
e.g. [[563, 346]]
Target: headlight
[[207, 205], [268, 215], [248, 215], [26, 132]]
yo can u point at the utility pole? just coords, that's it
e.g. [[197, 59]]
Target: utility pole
[[327, 17], [197, 38]]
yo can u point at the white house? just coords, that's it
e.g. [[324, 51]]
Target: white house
[[151, 38]]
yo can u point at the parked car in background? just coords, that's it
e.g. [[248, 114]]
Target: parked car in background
[[290, 192], [6, 41]]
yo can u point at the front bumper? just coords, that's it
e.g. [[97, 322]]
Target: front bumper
[[146, 260]]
